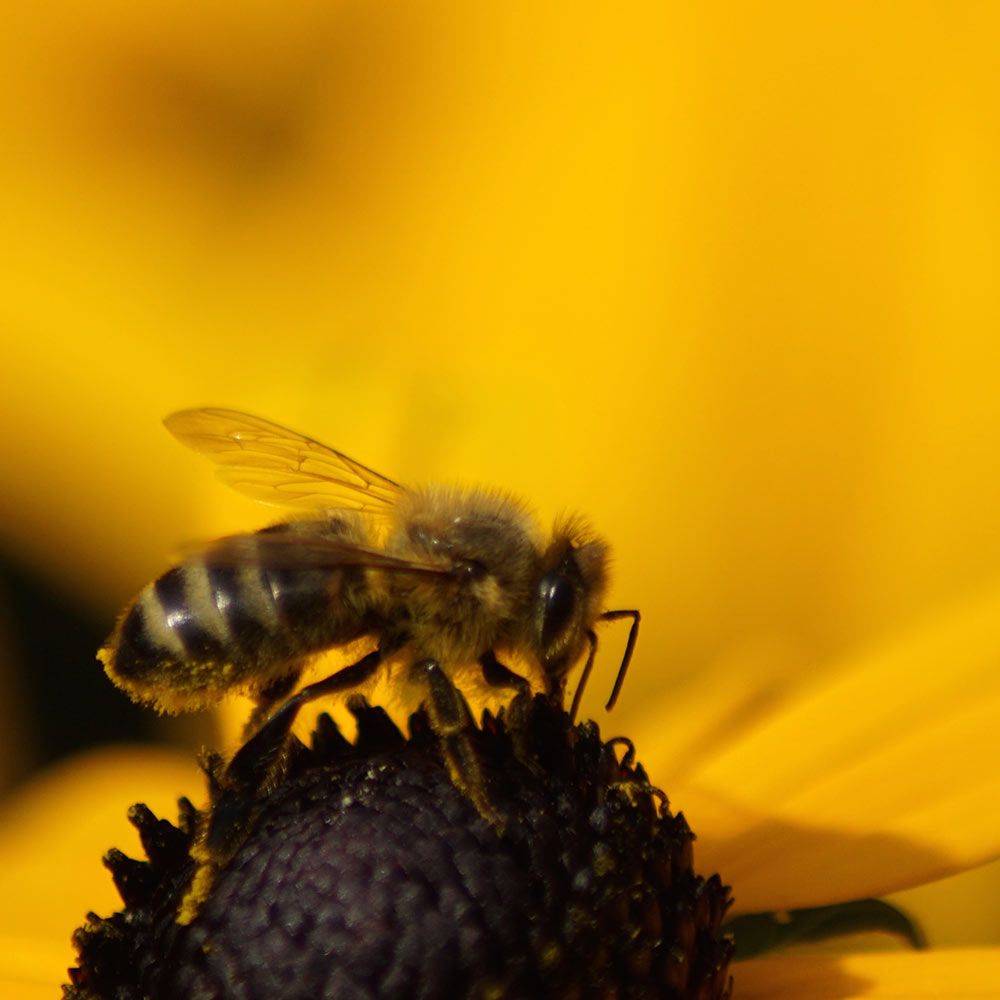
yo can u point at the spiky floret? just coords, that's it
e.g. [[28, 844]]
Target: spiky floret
[[368, 874]]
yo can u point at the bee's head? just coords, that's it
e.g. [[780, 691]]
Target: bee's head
[[569, 599]]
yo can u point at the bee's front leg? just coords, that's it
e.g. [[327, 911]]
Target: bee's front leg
[[451, 721]]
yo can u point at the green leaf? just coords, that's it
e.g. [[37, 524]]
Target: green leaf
[[758, 933]]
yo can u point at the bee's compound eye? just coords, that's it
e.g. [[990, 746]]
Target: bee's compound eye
[[558, 598]]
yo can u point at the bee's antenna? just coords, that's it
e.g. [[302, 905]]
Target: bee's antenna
[[578, 694], [609, 616]]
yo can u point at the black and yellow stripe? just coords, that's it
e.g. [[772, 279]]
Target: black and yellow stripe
[[206, 627]]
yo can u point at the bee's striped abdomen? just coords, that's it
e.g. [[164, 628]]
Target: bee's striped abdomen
[[206, 627], [178, 642], [188, 610], [243, 599]]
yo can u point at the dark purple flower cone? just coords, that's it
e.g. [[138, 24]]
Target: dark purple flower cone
[[367, 874]]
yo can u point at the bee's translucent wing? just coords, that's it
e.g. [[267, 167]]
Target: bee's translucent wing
[[277, 466], [286, 547]]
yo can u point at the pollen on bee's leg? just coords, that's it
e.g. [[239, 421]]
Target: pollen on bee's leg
[[197, 892], [452, 721]]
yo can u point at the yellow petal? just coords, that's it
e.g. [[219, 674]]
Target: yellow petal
[[53, 834], [31, 968], [893, 976], [961, 911], [884, 776]]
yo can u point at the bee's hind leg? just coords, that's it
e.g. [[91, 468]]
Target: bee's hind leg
[[452, 721], [259, 765], [237, 789], [267, 698]]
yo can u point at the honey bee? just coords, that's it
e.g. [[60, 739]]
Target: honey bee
[[438, 577], [449, 577]]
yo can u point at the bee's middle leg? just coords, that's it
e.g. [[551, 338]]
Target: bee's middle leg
[[497, 675], [452, 721]]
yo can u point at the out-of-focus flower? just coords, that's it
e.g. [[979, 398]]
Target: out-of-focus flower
[[723, 280]]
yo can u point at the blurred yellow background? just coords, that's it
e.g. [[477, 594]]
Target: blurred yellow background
[[723, 277]]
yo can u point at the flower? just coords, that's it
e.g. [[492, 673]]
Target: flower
[[940, 824], [366, 872], [725, 280]]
